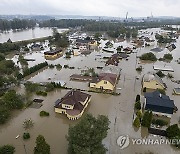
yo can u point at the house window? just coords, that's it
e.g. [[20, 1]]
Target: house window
[[105, 82]]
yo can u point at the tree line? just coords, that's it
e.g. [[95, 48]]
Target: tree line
[[14, 24]]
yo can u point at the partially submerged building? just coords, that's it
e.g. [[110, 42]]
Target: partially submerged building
[[176, 91], [107, 79], [153, 81], [113, 60], [159, 104], [52, 54], [73, 104], [104, 81]]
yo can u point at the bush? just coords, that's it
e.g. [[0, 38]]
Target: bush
[[138, 98], [136, 122], [7, 149], [31, 87], [49, 87], [137, 105], [139, 114], [44, 114], [26, 136], [58, 66], [148, 56], [161, 122], [66, 66], [51, 66], [168, 56], [41, 93], [173, 131], [72, 67]]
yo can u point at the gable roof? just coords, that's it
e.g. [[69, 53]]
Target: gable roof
[[153, 76], [108, 77], [158, 102]]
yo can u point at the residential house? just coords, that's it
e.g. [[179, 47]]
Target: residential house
[[159, 104], [52, 54], [128, 50], [153, 81], [104, 81], [113, 60], [176, 91], [73, 104], [85, 44]]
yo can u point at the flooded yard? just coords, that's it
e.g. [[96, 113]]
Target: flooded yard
[[119, 109]]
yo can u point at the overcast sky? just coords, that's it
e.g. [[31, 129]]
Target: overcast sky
[[117, 8]]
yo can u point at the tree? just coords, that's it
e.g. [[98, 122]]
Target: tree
[[173, 131], [2, 57], [28, 123], [136, 122], [4, 114], [147, 119], [137, 105], [41, 146], [31, 87], [7, 149], [168, 56], [148, 56], [139, 114], [12, 100], [87, 135], [138, 98]]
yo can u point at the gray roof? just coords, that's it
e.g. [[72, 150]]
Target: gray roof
[[158, 102]]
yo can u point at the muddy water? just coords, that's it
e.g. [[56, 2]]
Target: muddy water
[[27, 34], [54, 128], [119, 109]]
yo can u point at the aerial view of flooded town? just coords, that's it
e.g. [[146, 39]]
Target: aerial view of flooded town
[[89, 80]]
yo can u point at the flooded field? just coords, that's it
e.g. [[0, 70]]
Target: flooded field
[[27, 34], [119, 109]]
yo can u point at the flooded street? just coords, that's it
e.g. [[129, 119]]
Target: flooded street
[[119, 109]]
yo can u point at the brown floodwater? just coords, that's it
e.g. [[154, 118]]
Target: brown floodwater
[[119, 109], [27, 34]]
